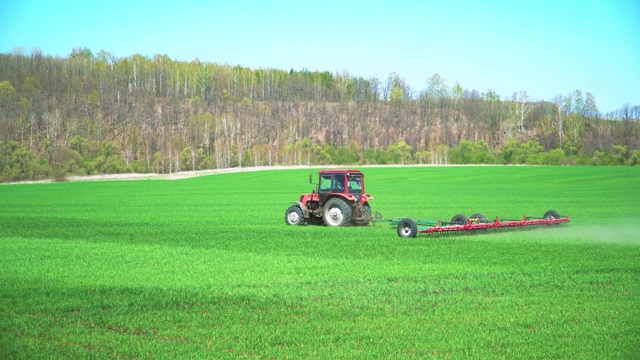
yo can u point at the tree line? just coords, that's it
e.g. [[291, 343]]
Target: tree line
[[95, 113]]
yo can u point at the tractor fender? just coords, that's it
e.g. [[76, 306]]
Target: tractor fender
[[305, 211], [347, 197]]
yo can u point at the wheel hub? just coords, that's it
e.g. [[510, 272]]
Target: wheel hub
[[335, 215]]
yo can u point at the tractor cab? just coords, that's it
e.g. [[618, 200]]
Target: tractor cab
[[340, 182]]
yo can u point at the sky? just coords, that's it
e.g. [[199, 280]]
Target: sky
[[546, 48]]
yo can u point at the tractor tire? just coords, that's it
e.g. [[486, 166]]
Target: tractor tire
[[407, 228], [362, 214], [481, 219], [460, 219], [551, 213], [294, 216], [336, 212]]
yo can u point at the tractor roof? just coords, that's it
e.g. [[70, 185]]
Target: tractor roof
[[339, 171]]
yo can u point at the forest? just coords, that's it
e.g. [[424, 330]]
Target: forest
[[98, 114]]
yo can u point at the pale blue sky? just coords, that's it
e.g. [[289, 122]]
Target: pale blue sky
[[546, 48]]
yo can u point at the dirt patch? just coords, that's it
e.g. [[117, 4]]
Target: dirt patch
[[190, 174], [172, 176]]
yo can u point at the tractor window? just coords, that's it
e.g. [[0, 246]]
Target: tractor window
[[325, 183], [355, 184], [338, 183]]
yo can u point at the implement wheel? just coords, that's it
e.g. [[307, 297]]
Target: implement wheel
[[479, 218], [551, 213], [407, 228], [460, 219], [336, 212], [294, 216]]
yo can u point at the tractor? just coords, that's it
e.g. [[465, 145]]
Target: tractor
[[338, 200]]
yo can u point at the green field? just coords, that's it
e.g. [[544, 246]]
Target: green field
[[206, 267]]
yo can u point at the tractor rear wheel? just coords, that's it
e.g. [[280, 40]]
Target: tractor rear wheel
[[336, 212], [294, 216], [460, 219], [407, 228], [361, 214]]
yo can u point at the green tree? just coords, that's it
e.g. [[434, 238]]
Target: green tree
[[399, 153], [468, 152], [31, 87], [67, 161], [368, 156], [344, 156], [18, 163], [422, 157], [7, 94], [553, 157], [326, 154], [398, 95], [188, 158], [463, 153], [515, 152], [634, 158], [574, 127], [618, 154], [437, 89]]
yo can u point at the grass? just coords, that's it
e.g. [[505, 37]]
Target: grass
[[206, 267]]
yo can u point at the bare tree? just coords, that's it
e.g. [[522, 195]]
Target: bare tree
[[558, 102], [521, 108]]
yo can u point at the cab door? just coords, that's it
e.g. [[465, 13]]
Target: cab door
[[331, 184], [324, 187]]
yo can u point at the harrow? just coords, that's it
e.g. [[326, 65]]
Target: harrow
[[407, 227]]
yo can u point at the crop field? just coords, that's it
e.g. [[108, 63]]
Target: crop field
[[207, 268]]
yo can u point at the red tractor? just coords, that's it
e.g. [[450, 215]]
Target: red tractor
[[340, 200]]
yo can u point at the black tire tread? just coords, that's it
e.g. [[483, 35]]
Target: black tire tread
[[407, 224], [460, 219], [346, 210], [366, 209], [550, 213], [297, 209], [481, 218]]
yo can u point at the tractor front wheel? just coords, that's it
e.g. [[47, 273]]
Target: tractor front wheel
[[337, 212], [294, 216]]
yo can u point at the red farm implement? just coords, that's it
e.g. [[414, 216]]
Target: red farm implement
[[460, 223]]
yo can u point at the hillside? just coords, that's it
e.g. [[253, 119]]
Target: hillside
[[94, 114]]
